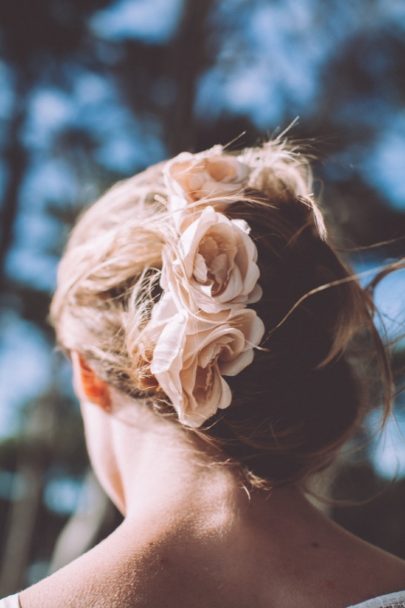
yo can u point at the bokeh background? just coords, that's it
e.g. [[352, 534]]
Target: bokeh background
[[96, 90]]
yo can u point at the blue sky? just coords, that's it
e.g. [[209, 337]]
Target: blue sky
[[154, 21]]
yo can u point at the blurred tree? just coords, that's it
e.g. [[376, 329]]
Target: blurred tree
[[34, 39]]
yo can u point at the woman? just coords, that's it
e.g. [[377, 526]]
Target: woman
[[212, 327]]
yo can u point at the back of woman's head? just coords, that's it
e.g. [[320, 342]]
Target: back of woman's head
[[301, 396]]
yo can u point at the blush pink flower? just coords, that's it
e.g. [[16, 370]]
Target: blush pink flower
[[191, 356], [200, 330], [213, 266], [193, 180]]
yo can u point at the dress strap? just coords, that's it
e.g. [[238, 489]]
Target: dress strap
[[391, 600], [10, 602]]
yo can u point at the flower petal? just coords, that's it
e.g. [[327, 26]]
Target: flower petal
[[167, 358], [235, 366]]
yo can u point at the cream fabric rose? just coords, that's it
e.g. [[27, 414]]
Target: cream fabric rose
[[191, 179], [191, 355], [200, 330], [212, 266]]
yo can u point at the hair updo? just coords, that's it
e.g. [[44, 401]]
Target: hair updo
[[303, 395]]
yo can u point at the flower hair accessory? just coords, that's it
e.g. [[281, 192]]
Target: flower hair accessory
[[196, 180], [201, 329]]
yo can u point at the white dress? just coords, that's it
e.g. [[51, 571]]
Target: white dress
[[10, 602], [392, 600]]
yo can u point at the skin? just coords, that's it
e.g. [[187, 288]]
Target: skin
[[193, 537]]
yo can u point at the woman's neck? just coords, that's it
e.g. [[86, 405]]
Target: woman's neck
[[163, 468], [172, 480]]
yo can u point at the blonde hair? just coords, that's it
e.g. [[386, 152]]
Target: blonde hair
[[301, 398]]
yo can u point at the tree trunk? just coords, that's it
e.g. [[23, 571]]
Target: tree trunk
[[16, 160], [20, 526], [187, 58]]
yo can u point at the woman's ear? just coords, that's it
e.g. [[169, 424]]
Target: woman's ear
[[88, 386]]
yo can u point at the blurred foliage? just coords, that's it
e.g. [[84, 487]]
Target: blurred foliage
[[93, 91]]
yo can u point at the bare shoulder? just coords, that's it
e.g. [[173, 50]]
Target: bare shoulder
[[116, 573], [138, 570], [366, 571], [129, 569], [389, 568]]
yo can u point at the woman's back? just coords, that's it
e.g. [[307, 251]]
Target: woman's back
[[275, 553]]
